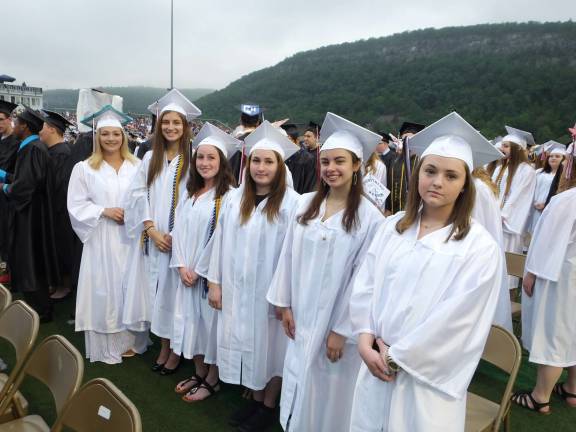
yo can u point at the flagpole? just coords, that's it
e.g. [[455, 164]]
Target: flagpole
[[171, 44]]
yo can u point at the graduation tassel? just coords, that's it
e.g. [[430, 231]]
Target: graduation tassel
[[242, 155], [571, 154]]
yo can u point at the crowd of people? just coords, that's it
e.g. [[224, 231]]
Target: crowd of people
[[347, 277]]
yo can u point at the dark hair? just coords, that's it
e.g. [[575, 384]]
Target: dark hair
[[461, 215], [159, 145], [313, 130], [277, 191], [223, 182], [247, 120], [547, 167], [350, 220]]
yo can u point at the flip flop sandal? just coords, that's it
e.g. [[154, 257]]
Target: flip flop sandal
[[204, 385], [561, 391], [185, 386], [521, 399]]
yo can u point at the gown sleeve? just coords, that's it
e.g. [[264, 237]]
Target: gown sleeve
[[342, 323], [136, 206], [443, 351], [553, 228], [209, 265], [84, 214], [519, 201], [178, 258]]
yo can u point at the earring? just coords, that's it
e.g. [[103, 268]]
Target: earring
[[355, 178]]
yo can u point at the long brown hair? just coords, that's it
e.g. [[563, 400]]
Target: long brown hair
[[516, 158], [461, 215], [159, 145], [223, 181], [350, 220], [482, 175], [277, 191]]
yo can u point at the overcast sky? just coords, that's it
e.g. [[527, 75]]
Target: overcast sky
[[90, 43]]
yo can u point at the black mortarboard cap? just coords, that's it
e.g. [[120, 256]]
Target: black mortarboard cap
[[56, 120], [291, 129], [7, 107], [385, 135], [410, 127], [34, 119]]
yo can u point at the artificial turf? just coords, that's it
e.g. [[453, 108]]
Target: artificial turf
[[162, 410]]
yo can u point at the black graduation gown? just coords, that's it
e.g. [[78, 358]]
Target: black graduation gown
[[80, 150], [396, 179], [59, 155], [8, 149], [143, 148], [32, 252], [388, 159], [302, 165]]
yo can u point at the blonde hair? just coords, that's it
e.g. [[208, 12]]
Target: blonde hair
[[95, 160], [372, 163]]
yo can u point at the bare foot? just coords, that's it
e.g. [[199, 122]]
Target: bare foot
[[203, 391], [173, 361], [129, 353]]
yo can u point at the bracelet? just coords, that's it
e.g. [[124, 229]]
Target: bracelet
[[392, 365]]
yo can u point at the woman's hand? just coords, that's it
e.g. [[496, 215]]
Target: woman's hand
[[114, 213], [335, 346], [374, 360], [188, 277], [528, 283], [215, 296], [539, 206], [161, 240], [288, 322]]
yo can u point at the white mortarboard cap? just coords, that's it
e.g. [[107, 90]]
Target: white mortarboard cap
[[175, 101], [339, 133], [267, 137], [526, 138], [214, 136], [108, 116], [554, 147], [538, 149], [454, 137]]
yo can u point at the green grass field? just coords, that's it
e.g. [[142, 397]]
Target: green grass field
[[162, 410]]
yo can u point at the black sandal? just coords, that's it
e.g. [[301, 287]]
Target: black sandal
[[561, 391], [204, 385], [521, 399], [183, 384]]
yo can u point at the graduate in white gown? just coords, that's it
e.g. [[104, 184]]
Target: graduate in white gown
[[516, 181], [157, 190], [548, 299], [243, 257], [95, 197], [324, 247], [487, 213], [194, 326], [544, 178], [426, 293]]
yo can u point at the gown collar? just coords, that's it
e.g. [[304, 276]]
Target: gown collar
[[28, 141]]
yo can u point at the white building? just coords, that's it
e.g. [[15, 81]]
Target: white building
[[22, 94]]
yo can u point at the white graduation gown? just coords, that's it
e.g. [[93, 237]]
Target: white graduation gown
[[149, 283], [548, 323], [314, 278], [428, 299], [100, 299], [243, 258], [194, 326], [543, 183], [516, 208], [487, 213]]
